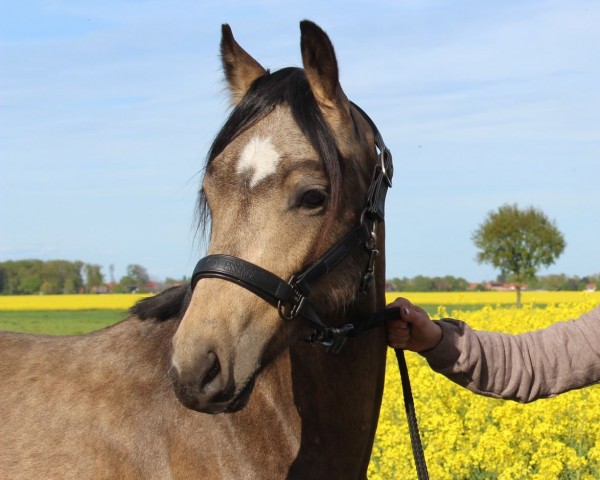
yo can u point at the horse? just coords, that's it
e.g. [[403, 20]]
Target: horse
[[216, 379]]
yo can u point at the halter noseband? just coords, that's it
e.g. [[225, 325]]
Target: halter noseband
[[291, 297]]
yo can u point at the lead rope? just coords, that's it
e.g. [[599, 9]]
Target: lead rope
[[413, 427]]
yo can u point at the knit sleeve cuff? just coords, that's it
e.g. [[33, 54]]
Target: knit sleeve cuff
[[446, 353]]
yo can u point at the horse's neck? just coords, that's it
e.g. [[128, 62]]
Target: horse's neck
[[338, 398]]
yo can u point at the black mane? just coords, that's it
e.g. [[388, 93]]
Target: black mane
[[172, 303]]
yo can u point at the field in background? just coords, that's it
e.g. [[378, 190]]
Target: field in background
[[465, 299], [64, 314], [114, 301], [457, 299]]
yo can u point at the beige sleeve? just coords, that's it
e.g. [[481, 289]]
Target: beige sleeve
[[524, 367]]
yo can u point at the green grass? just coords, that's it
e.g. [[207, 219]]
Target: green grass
[[59, 322]]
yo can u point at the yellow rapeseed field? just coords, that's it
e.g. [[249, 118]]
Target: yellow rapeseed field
[[124, 301], [114, 301], [467, 436], [495, 298]]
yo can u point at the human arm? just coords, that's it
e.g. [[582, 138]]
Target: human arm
[[524, 367]]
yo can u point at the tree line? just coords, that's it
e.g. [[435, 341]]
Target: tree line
[[37, 276], [51, 277], [564, 282], [30, 277], [448, 283], [422, 283]]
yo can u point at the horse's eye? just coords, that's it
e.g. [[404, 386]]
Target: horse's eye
[[313, 199]]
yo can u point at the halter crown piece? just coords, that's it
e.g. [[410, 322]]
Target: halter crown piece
[[291, 297]]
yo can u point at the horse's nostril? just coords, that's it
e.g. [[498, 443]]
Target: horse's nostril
[[212, 372]]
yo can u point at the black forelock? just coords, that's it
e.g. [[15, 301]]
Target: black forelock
[[287, 86]]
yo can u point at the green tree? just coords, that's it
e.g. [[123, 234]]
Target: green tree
[[126, 285], [93, 276], [61, 276], [139, 275], [135, 279], [29, 284], [518, 242], [23, 276], [3, 278]]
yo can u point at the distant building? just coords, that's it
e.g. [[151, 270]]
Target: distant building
[[153, 287], [101, 289], [504, 287]]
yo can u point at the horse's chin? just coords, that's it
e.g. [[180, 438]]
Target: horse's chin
[[234, 405], [242, 399]]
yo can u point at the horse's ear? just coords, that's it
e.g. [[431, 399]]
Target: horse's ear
[[320, 65], [239, 67]]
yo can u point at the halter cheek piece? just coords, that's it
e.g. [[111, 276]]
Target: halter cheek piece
[[291, 297]]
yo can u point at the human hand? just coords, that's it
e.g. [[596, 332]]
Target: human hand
[[413, 330]]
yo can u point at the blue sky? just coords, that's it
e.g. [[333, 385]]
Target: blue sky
[[107, 109]]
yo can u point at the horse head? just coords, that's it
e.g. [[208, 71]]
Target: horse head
[[286, 179]]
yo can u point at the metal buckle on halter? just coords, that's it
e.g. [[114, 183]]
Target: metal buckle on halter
[[371, 247], [293, 311], [369, 275], [294, 306]]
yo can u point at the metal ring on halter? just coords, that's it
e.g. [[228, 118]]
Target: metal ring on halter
[[283, 315], [386, 176], [296, 302]]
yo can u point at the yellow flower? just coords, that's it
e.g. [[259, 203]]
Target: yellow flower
[[467, 436], [115, 301]]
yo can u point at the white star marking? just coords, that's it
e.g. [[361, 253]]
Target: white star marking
[[259, 157]]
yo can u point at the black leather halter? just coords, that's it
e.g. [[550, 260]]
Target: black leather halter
[[291, 297]]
